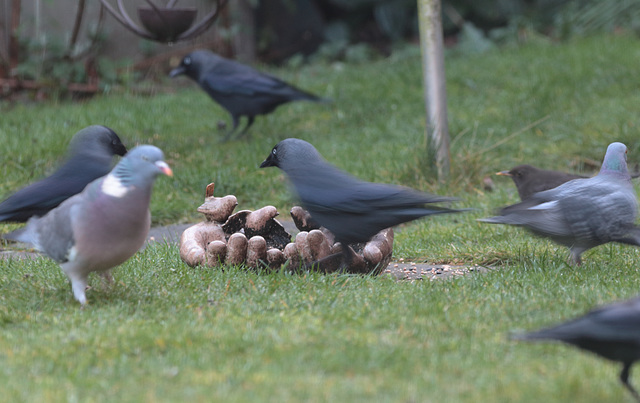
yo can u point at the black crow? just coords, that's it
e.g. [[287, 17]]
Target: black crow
[[90, 156], [353, 210], [583, 213], [240, 89], [612, 332]]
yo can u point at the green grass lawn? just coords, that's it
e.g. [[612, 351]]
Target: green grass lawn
[[168, 332]]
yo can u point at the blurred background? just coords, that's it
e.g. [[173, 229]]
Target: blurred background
[[73, 47]]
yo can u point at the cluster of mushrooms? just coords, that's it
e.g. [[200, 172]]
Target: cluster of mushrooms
[[256, 239]]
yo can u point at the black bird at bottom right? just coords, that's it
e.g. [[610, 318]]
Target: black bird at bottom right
[[612, 332]]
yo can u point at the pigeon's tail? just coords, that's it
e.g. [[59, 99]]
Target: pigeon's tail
[[25, 234]]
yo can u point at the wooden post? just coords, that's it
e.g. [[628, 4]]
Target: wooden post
[[435, 94]]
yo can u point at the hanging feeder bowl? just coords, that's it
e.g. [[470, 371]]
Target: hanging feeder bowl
[[165, 24]]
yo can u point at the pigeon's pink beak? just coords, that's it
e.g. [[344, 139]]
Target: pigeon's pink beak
[[164, 167]]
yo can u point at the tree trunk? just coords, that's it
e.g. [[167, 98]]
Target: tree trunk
[[435, 94]]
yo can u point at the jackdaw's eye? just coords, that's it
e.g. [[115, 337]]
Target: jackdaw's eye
[[186, 61], [273, 151]]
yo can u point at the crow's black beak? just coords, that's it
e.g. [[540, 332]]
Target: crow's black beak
[[269, 162], [177, 71], [266, 163], [120, 150]]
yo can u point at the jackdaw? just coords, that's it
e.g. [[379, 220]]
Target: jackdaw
[[353, 210], [90, 156], [240, 89]]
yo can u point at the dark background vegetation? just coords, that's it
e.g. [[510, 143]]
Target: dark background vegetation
[[292, 32]]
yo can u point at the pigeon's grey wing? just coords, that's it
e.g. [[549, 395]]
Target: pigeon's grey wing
[[55, 230], [52, 233], [580, 209], [602, 213]]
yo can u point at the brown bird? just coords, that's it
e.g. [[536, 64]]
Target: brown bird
[[529, 179]]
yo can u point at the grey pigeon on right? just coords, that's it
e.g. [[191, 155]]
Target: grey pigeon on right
[[90, 156], [612, 332], [583, 213], [238, 88], [353, 210], [529, 179], [104, 225]]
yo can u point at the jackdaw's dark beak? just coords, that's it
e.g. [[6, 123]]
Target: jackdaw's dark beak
[[120, 150], [269, 162], [177, 71]]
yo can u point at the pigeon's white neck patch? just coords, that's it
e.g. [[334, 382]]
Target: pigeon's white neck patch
[[112, 186]]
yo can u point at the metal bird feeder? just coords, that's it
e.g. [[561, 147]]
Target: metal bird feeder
[[165, 24]]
